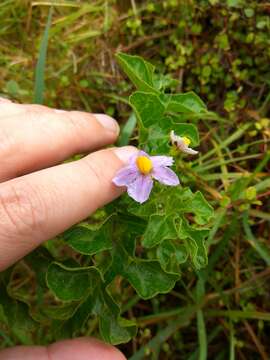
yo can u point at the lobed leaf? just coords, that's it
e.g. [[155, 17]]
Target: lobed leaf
[[159, 228], [149, 279], [188, 130], [170, 255], [15, 314], [139, 71], [114, 329], [148, 108], [88, 241], [71, 284], [194, 242], [184, 103], [186, 202]]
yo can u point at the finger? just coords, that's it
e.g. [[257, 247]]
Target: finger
[[9, 108], [39, 138], [4, 101], [38, 206], [76, 349]]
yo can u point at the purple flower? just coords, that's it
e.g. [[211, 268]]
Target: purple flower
[[138, 175]]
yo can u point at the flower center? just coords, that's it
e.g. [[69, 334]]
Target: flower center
[[186, 140], [144, 164]]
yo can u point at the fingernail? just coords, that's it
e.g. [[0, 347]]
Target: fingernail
[[108, 122], [124, 153]]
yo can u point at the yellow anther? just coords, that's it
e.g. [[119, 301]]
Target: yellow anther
[[144, 164], [186, 140]]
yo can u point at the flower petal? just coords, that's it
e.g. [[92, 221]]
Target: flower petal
[[133, 158], [161, 160], [140, 189], [165, 176], [188, 150], [180, 143], [142, 153], [126, 175]]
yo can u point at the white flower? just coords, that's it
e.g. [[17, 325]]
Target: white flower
[[182, 143]]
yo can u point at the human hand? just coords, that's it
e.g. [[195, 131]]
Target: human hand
[[39, 199]]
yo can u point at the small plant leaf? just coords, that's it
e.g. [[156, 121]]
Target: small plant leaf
[[185, 103], [71, 284], [139, 71], [159, 228], [194, 242], [88, 241], [188, 130], [186, 202], [148, 108], [149, 279], [17, 318]]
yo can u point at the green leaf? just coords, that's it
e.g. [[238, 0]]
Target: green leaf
[[16, 314], [130, 231], [13, 88], [139, 71], [159, 228], [185, 201], [165, 253], [143, 210], [127, 130], [71, 284], [195, 244], [81, 316], [181, 253], [163, 82], [157, 140], [60, 312], [148, 278], [148, 108], [188, 130], [40, 68], [184, 103], [40, 308], [39, 260], [202, 210], [88, 241], [113, 328], [116, 330], [170, 255]]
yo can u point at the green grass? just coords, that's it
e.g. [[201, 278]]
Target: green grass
[[40, 67], [231, 76]]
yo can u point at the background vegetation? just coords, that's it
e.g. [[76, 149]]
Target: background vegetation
[[219, 49]]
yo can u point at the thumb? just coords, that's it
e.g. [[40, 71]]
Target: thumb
[[76, 349]]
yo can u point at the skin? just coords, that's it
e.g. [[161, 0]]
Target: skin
[[40, 198]]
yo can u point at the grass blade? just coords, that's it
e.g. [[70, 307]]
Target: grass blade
[[127, 130], [202, 336], [260, 248], [201, 330], [232, 342], [40, 67], [238, 314]]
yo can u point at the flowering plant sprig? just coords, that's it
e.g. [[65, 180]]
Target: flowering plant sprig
[[143, 243]]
